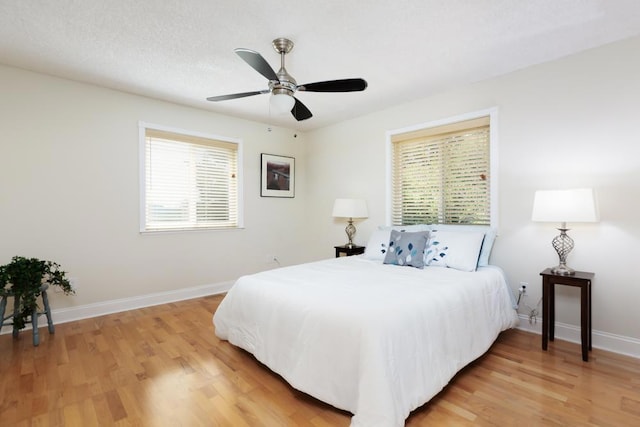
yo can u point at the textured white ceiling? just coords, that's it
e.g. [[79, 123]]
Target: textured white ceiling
[[182, 50]]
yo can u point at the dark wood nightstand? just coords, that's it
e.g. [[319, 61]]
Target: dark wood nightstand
[[581, 279], [348, 251]]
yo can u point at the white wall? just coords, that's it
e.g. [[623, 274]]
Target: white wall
[[565, 124], [69, 182], [69, 192]]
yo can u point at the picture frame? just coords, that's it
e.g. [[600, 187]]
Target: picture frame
[[277, 176]]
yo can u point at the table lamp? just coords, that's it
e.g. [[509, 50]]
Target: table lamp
[[350, 208], [564, 206]]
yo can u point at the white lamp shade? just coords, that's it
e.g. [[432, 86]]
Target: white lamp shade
[[576, 205], [282, 103], [350, 208]]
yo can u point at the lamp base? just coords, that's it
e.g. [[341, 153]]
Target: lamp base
[[350, 229], [563, 270], [563, 244]]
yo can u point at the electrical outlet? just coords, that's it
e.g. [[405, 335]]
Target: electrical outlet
[[523, 287], [271, 258]]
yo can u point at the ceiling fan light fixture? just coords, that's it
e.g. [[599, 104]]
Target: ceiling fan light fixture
[[281, 101]]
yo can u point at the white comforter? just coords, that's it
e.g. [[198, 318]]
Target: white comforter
[[376, 340]]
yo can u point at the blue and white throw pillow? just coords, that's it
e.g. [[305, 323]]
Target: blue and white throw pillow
[[454, 249], [490, 234], [406, 248], [378, 243]]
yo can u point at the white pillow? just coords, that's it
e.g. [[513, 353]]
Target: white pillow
[[377, 245], [489, 237], [454, 249]]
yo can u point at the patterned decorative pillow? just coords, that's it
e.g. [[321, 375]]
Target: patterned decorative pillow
[[407, 248], [377, 245], [490, 234], [379, 240], [454, 249]]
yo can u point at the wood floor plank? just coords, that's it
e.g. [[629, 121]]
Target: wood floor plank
[[164, 366]]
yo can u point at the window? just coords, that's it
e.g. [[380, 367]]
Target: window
[[442, 174], [188, 181]]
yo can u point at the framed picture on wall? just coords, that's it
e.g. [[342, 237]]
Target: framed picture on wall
[[278, 176]]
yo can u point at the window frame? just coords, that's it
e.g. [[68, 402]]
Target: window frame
[[492, 113], [142, 128]]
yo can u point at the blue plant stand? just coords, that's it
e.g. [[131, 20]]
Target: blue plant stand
[[34, 316]]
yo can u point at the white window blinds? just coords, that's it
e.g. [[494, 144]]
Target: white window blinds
[[440, 175], [191, 182]]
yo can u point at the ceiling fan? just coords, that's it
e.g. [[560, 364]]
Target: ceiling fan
[[282, 85]]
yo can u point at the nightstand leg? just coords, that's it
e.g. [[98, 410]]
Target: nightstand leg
[[590, 329], [545, 313], [552, 311], [584, 323]]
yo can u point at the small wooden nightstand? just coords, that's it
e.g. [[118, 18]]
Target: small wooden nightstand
[[348, 251], [581, 279]]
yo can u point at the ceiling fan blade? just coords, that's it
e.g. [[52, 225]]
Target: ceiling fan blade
[[344, 85], [258, 63], [300, 111], [236, 95]]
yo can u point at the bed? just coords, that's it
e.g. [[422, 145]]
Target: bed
[[372, 338]]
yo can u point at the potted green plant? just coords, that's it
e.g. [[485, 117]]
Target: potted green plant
[[25, 279]]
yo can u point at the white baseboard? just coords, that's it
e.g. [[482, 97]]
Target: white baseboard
[[71, 314], [602, 340]]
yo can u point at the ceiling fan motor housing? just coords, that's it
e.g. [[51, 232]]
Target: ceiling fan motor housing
[[280, 90], [286, 84]]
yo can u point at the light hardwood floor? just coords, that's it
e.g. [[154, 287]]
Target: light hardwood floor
[[163, 366]]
